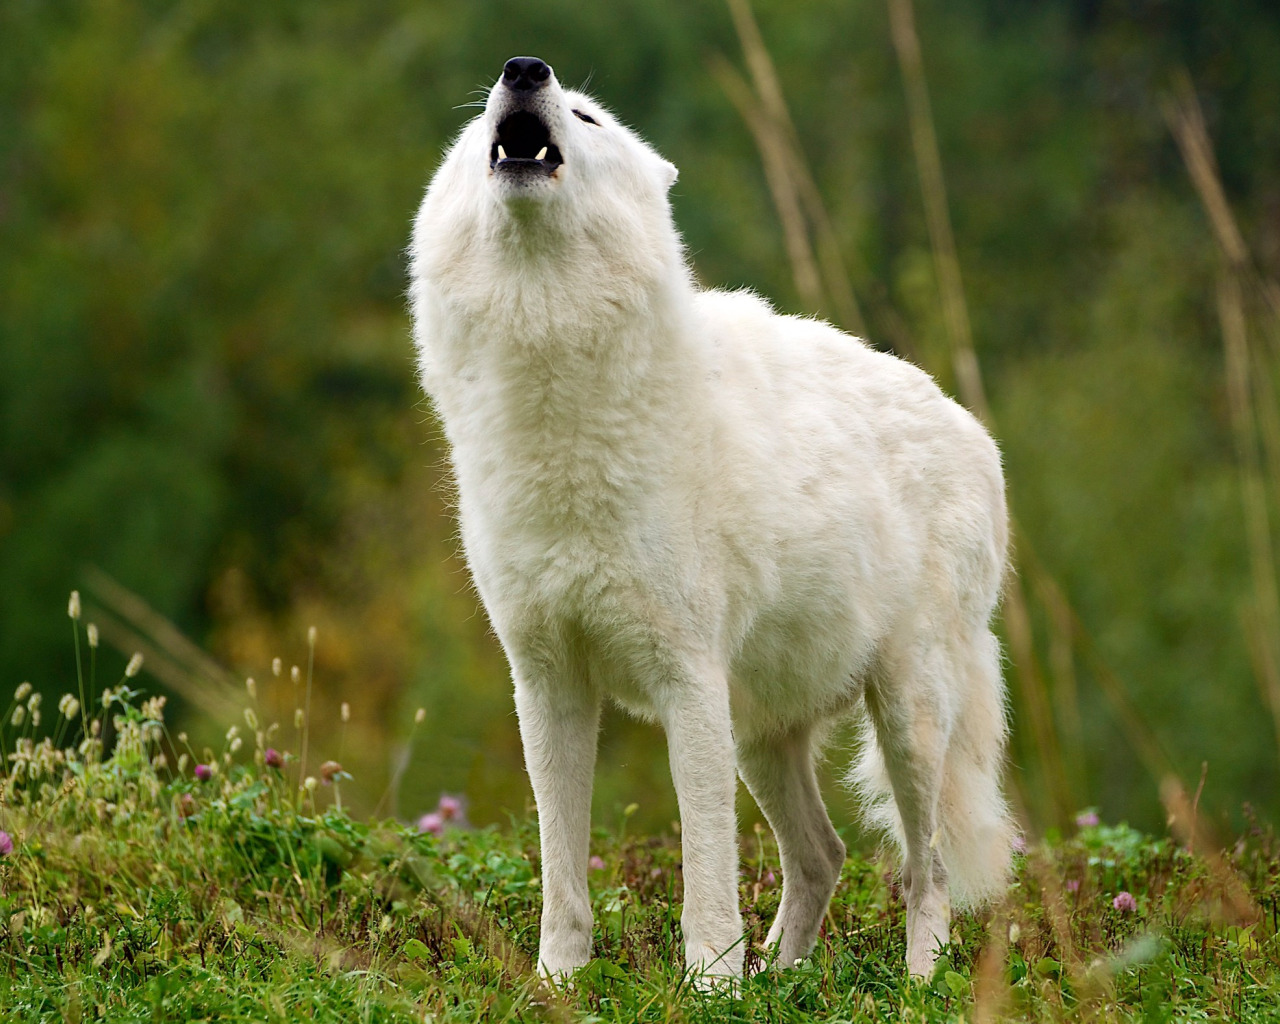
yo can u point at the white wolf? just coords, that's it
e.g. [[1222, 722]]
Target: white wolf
[[736, 523]]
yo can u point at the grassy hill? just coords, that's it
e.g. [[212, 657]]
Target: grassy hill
[[153, 882]]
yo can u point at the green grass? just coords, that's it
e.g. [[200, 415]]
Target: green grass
[[137, 892]]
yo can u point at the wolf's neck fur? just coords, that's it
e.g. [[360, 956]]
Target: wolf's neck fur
[[568, 382]]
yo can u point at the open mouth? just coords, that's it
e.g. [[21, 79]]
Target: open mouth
[[523, 141]]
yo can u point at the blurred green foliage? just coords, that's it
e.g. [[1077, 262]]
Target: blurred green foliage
[[206, 378]]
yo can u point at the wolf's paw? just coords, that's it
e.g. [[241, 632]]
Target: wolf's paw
[[712, 970]]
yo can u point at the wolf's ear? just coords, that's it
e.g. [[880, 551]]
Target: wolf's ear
[[672, 172]]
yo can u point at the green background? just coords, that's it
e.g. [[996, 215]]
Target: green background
[[207, 386]]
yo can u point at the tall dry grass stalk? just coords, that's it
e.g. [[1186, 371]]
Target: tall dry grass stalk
[[129, 624], [1230, 890], [924, 143], [812, 244], [1251, 394]]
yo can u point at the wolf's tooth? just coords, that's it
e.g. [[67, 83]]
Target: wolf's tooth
[[502, 153], [541, 153]]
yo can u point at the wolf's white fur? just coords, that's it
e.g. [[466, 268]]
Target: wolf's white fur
[[736, 523]]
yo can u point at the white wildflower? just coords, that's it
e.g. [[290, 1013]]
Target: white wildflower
[[73, 605], [134, 666], [91, 631]]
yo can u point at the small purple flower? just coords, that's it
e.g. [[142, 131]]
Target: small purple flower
[[770, 878], [432, 823], [450, 807], [1087, 819], [273, 758], [204, 772], [596, 863], [1019, 843], [1073, 885], [6, 843], [1125, 903]]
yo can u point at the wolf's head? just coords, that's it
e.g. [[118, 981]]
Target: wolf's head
[[542, 142], [546, 210], [539, 146]]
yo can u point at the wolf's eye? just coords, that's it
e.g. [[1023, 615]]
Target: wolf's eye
[[586, 117]]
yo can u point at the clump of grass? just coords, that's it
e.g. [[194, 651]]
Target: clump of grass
[[141, 881]]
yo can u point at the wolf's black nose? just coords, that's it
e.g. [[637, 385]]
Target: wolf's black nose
[[525, 74]]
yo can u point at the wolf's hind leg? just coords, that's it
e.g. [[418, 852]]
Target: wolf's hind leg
[[910, 703], [779, 773]]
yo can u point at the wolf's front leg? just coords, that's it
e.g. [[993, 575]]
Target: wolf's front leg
[[700, 744], [558, 725]]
